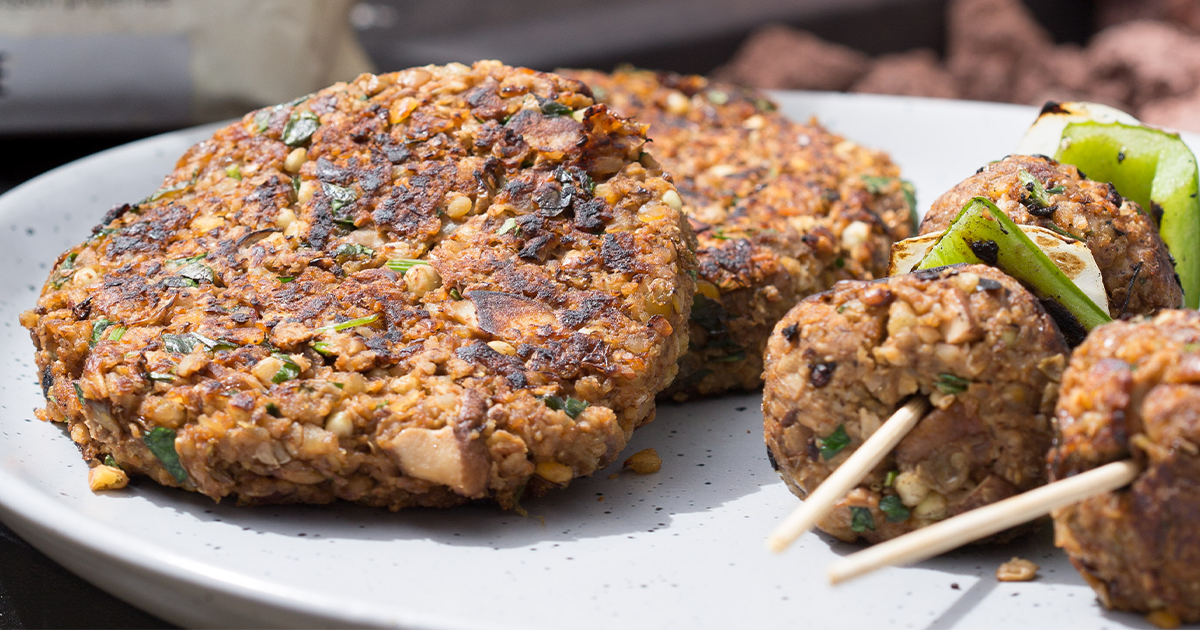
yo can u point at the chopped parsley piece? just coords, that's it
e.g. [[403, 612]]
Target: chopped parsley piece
[[288, 371], [197, 272], [353, 250], [167, 191], [299, 128], [262, 119], [890, 479], [234, 171], [832, 445], [187, 261], [78, 392], [861, 519], [1036, 189], [571, 406], [98, 328], [273, 409], [323, 348], [109, 461], [68, 263], [709, 314], [161, 442], [509, 225], [402, 265], [876, 185], [339, 196], [338, 385], [894, 508], [455, 294], [554, 108], [951, 384], [179, 281], [185, 343], [350, 323], [284, 279]]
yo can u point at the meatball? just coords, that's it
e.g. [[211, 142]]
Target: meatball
[[970, 338], [1138, 272], [1133, 390], [781, 211], [419, 288]]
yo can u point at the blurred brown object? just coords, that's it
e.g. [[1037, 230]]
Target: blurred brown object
[[913, 73], [781, 58], [1175, 113], [992, 45], [1185, 13], [1145, 61]]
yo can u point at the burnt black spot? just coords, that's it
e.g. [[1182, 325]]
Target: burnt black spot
[[396, 153], [1156, 213], [47, 381], [538, 248], [1113, 196], [1042, 213], [83, 309], [1070, 327], [1052, 107], [617, 254], [814, 453], [590, 308], [592, 215], [1120, 156], [790, 332], [771, 458], [987, 284], [821, 373], [981, 169], [113, 214], [986, 251]]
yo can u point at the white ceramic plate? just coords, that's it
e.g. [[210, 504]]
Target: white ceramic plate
[[682, 548]]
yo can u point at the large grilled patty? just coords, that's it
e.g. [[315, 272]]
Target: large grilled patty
[[781, 211], [418, 288]]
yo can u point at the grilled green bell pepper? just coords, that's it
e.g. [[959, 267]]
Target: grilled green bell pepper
[[983, 234], [1155, 169]]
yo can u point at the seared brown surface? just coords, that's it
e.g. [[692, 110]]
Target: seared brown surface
[[1138, 272], [545, 307], [1133, 390], [781, 211], [968, 337]]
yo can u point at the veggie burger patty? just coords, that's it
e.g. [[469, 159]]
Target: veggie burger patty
[[781, 211], [418, 288]]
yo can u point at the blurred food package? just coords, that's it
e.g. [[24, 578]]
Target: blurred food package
[[74, 65]]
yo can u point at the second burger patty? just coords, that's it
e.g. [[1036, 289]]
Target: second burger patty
[[781, 211]]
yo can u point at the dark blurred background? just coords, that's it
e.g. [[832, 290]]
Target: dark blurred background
[[79, 76]]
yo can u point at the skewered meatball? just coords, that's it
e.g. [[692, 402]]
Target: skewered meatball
[[1139, 274], [1133, 390], [781, 211], [970, 338]]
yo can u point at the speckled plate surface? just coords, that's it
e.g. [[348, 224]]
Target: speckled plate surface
[[682, 548]]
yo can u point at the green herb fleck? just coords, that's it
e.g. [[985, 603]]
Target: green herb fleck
[[185, 343], [338, 385], [1062, 232], [234, 171], [198, 272], [733, 357], [1191, 347], [353, 250], [161, 376], [402, 265], [842, 309], [839, 263], [861, 519], [161, 442], [284, 279], [287, 371], [894, 508], [78, 392], [890, 479], [832, 445], [952, 384], [262, 120], [323, 348], [339, 196], [350, 323], [178, 262], [110, 462], [273, 409], [68, 263], [509, 225], [571, 406], [115, 333], [876, 185], [693, 274], [1036, 189], [764, 105], [98, 328], [554, 108], [299, 128], [455, 294]]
